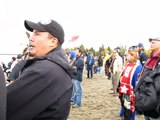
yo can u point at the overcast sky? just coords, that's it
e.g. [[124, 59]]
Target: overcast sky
[[109, 22]]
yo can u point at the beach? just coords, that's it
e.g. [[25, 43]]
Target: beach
[[98, 102]]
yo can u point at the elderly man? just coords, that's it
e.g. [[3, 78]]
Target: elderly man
[[151, 64], [44, 88]]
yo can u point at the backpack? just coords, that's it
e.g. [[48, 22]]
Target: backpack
[[147, 93]]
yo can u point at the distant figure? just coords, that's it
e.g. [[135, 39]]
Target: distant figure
[[107, 64], [3, 66], [96, 67], [116, 69], [17, 60], [77, 82], [118, 49], [16, 71], [10, 63], [7, 70], [100, 63], [143, 57], [72, 57], [90, 62]]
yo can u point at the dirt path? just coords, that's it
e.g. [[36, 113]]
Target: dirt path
[[98, 103]]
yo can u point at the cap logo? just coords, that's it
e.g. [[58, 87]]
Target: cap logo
[[46, 22]]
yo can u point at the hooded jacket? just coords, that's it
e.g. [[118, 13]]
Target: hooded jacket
[[43, 90]]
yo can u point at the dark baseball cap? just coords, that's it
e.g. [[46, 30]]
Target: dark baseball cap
[[155, 39], [53, 27]]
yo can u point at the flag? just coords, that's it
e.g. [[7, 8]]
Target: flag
[[74, 38]]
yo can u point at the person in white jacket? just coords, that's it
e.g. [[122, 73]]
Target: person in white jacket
[[116, 69]]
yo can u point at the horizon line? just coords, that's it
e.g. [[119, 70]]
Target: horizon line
[[8, 54]]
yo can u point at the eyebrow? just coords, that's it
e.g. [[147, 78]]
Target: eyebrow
[[35, 31]]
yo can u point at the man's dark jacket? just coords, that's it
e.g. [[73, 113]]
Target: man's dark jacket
[[43, 90]]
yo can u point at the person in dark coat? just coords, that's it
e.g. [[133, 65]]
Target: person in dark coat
[[2, 96], [100, 63], [107, 66], [44, 88], [77, 82], [151, 64]]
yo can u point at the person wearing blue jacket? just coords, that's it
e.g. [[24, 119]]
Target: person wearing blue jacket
[[90, 62]]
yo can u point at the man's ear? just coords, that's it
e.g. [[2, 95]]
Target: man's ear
[[53, 42]]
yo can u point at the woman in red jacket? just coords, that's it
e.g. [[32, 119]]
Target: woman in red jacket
[[127, 84]]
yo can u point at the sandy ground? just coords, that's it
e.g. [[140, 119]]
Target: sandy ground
[[97, 103]]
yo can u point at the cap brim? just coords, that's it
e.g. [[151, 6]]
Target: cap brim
[[33, 26], [150, 39], [155, 39]]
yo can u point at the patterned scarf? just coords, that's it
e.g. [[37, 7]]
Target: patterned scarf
[[152, 61]]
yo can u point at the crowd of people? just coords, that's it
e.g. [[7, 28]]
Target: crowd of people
[[45, 81]]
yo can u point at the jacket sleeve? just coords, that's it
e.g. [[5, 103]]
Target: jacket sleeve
[[16, 70], [136, 75], [79, 64], [39, 86]]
